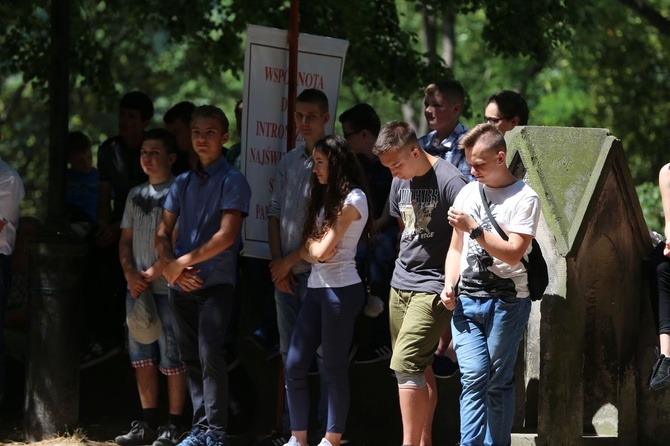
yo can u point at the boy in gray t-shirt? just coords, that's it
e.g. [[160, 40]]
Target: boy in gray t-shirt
[[143, 270], [423, 189]]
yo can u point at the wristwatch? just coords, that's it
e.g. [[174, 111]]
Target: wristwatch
[[477, 232]]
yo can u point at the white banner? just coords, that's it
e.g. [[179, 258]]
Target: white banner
[[264, 121]]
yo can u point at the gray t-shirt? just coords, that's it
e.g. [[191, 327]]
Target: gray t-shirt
[[422, 203], [142, 214]]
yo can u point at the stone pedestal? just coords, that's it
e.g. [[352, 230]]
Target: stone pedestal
[[52, 366]]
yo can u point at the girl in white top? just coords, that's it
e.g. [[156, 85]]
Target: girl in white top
[[337, 217]]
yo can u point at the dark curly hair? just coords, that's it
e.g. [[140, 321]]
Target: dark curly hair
[[344, 174]]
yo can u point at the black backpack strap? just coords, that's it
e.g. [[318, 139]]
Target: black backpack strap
[[488, 212]]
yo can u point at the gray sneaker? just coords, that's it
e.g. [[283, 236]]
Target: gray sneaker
[[140, 434], [168, 435]]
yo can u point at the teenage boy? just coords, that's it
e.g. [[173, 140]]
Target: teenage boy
[[178, 121], [286, 218], [443, 104], [210, 202], [423, 189], [143, 271], [491, 304]]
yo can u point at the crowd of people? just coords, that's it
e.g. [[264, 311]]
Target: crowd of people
[[377, 225]]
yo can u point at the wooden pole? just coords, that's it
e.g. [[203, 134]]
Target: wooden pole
[[292, 71], [290, 144]]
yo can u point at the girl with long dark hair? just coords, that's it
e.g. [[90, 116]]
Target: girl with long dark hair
[[338, 215]]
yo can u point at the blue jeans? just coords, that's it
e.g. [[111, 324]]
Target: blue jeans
[[288, 308], [486, 334], [327, 318]]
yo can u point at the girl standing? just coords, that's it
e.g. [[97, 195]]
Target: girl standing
[[338, 214]]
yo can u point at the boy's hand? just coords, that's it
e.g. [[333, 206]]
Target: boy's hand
[[460, 220], [172, 271], [152, 273], [279, 269], [448, 297], [285, 285], [136, 283], [188, 280]]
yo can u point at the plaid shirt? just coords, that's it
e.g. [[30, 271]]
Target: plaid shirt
[[448, 149], [289, 201]]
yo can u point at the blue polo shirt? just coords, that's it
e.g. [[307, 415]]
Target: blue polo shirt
[[199, 196]]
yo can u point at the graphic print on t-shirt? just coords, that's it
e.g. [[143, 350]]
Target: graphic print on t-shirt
[[149, 203], [479, 273], [416, 207]]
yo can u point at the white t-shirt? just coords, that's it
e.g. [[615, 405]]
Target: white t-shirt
[[516, 208], [340, 271]]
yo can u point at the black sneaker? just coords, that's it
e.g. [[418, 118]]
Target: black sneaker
[[168, 435], [444, 367], [276, 439], [372, 355], [140, 433], [660, 373]]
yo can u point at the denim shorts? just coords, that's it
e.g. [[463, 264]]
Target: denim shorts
[[163, 352]]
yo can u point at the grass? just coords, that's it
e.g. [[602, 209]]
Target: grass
[[77, 438]]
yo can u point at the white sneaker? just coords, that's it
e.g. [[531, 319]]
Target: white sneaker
[[292, 442], [325, 442]]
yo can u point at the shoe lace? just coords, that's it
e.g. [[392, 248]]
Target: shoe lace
[[136, 427]]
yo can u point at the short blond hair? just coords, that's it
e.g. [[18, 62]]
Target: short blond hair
[[486, 134]]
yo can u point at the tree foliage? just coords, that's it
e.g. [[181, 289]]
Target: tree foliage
[[578, 63]]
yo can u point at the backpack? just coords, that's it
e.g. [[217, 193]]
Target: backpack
[[536, 266]]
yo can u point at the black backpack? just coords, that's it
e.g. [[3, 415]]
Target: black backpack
[[536, 266]]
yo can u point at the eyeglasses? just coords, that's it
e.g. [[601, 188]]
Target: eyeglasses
[[348, 135], [491, 120]]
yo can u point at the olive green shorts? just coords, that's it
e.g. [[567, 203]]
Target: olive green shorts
[[417, 320]]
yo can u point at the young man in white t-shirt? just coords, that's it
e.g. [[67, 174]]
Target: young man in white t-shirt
[[486, 285]]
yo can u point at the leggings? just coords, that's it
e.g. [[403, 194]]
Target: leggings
[[660, 289], [326, 318]]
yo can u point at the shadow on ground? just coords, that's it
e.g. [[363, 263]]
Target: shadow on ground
[[108, 402]]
